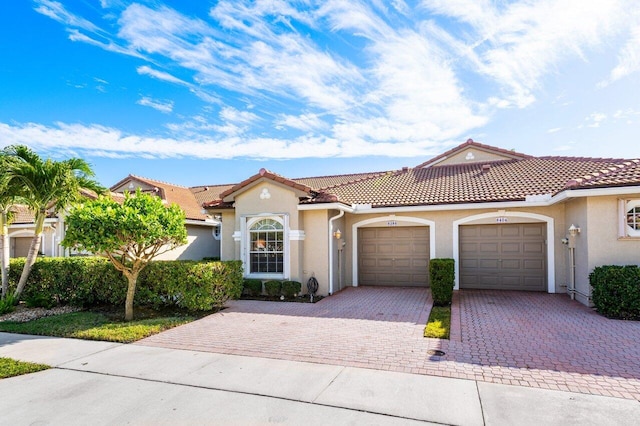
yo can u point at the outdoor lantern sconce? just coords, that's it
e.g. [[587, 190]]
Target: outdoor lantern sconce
[[265, 195], [574, 230], [337, 234]]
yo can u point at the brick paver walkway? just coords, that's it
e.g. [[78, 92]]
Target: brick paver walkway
[[530, 339]]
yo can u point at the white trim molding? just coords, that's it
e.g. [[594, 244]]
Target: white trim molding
[[551, 270], [296, 235], [417, 220]]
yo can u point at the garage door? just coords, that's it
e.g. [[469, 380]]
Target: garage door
[[394, 256], [504, 257], [20, 246]]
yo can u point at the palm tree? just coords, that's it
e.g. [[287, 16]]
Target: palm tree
[[48, 186], [9, 194]]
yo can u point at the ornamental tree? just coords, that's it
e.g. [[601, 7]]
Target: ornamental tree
[[130, 234]]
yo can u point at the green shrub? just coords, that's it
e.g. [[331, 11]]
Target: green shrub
[[40, 300], [85, 281], [616, 291], [291, 288], [7, 305], [272, 288], [252, 287], [442, 277]]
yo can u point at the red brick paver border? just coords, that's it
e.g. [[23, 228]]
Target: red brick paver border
[[521, 338]]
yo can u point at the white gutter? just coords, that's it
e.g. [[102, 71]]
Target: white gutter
[[212, 223], [326, 206], [338, 216]]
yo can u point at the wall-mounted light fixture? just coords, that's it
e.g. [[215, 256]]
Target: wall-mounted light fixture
[[574, 230], [265, 195], [337, 233]]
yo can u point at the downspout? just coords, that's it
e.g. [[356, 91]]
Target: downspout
[[338, 216]]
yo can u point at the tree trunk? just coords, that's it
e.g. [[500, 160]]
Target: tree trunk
[[131, 292], [32, 256], [4, 247]]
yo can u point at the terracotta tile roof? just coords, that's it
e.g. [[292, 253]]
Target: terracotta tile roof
[[622, 174], [322, 182], [180, 195], [22, 214], [209, 193], [507, 180]]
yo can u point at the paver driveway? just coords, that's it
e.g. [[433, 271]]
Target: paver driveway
[[530, 339]]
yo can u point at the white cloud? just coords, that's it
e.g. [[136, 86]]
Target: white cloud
[[96, 139], [554, 130], [162, 106], [594, 119], [518, 44], [304, 122], [57, 11], [629, 57], [160, 75]]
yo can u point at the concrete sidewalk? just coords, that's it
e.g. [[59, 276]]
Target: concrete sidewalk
[[106, 383]]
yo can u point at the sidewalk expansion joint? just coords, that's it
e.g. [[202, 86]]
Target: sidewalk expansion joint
[[252, 394]]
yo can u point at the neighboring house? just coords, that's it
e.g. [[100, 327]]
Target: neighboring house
[[505, 218], [203, 238]]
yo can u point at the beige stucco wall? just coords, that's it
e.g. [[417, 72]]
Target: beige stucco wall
[[315, 255], [577, 214], [200, 244]]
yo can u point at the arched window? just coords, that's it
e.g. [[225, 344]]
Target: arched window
[[266, 247]]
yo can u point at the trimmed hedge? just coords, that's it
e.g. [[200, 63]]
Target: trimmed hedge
[[272, 288], [291, 288], [442, 279], [252, 287], [616, 291], [86, 281]]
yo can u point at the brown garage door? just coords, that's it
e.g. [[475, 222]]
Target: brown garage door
[[20, 246], [504, 257], [394, 256]]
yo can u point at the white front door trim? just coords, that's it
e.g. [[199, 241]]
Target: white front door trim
[[551, 276], [390, 218]]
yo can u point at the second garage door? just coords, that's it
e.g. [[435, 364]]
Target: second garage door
[[393, 256], [504, 256]]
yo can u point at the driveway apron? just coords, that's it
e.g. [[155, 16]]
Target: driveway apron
[[521, 338]]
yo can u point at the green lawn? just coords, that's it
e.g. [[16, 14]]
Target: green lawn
[[439, 322], [95, 326], [10, 367]]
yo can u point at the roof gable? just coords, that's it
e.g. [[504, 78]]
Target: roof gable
[[472, 152], [264, 174], [170, 193]]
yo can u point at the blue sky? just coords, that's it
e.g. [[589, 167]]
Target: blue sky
[[205, 92]]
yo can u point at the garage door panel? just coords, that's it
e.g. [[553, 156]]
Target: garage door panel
[[511, 264], [509, 231], [400, 257], [487, 232], [510, 248], [489, 248], [488, 264], [503, 256], [533, 231], [533, 247]]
